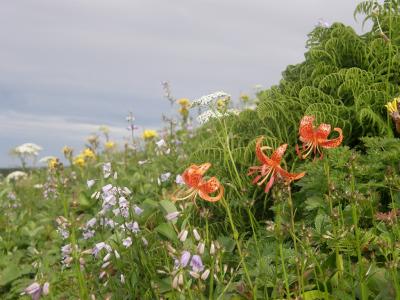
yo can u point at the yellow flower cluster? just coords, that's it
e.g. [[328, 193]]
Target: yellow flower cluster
[[148, 134], [79, 161], [391, 106], [244, 98], [221, 104], [184, 109], [184, 102], [85, 156], [88, 153], [53, 163], [110, 145]]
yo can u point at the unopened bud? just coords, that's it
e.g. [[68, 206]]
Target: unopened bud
[[200, 248], [196, 235], [183, 235], [205, 274]]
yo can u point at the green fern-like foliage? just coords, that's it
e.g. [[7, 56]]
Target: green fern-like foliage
[[345, 80]]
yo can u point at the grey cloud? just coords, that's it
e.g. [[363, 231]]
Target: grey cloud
[[90, 62]]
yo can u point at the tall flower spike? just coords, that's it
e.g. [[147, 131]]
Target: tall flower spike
[[314, 139], [193, 178], [270, 167]]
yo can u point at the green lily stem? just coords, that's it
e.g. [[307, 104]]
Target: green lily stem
[[236, 238]]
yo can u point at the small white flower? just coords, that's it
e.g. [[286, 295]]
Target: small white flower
[[107, 188], [33, 289], [106, 170], [133, 226], [161, 143], [127, 242], [99, 246], [145, 242], [66, 249], [88, 234], [122, 278], [164, 177], [208, 99], [137, 210], [172, 216], [179, 180], [91, 222], [142, 162], [90, 183]]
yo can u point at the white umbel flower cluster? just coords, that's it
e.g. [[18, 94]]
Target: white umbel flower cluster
[[28, 149], [208, 99], [16, 175], [46, 159], [210, 114]]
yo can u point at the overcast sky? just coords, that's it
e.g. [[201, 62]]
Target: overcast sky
[[68, 66]]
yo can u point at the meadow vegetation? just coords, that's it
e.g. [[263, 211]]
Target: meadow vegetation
[[293, 193]]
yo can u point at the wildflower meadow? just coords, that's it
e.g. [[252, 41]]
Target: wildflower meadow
[[292, 192]]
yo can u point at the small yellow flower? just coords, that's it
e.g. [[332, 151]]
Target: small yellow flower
[[392, 105], [88, 154], [245, 98], [79, 161], [53, 163], [221, 104], [109, 145], [148, 134], [184, 112], [184, 102]]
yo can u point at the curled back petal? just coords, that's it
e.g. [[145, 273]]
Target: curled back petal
[[278, 153], [211, 186], [333, 142], [306, 130], [322, 132], [289, 176], [193, 175], [259, 153], [262, 157]]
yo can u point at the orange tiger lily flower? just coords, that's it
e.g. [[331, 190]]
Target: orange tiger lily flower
[[316, 138], [193, 178], [270, 167]]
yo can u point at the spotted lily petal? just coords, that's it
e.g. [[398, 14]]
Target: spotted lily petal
[[315, 139]]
